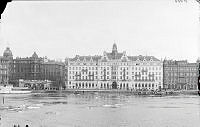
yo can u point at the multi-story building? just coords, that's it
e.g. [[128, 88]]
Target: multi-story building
[[34, 71], [28, 68], [114, 70], [5, 66], [53, 71], [180, 75], [198, 74]]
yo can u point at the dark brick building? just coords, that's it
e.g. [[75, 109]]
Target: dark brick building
[[28, 68], [36, 69], [54, 71], [180, 75]]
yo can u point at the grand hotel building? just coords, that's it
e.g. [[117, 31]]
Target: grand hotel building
[[114, 70]]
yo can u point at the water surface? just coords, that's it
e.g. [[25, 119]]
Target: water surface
[[98, 110]]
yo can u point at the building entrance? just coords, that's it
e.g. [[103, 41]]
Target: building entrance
[[114, 85]]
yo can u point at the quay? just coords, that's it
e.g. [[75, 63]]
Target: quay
[[130, 92]]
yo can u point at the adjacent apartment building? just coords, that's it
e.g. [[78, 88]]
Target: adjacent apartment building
[[180, 75], [28, 68], [53, 71], [114, 70], [34, 71]]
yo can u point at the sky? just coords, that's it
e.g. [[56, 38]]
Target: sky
[[160, 28]]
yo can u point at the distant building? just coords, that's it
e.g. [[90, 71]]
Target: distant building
[[35, 71], [28, 68], [54, 71], [180, 75], [114, 70], [198, 73], [6, 66]]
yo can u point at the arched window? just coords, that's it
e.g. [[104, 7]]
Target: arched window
[[82, 85]]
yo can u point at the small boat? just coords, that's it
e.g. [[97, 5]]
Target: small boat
[[76, 93], [159, 93], [9, 89]]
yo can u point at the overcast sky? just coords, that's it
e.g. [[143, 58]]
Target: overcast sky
[[161, 28]]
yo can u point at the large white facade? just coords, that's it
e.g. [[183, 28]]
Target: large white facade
[[114, 71]]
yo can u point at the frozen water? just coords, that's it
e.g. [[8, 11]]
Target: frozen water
[[99, 110]]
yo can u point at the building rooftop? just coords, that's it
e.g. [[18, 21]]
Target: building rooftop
[[114, 55]]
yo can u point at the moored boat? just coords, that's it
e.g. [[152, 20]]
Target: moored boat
[[9, 89]]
